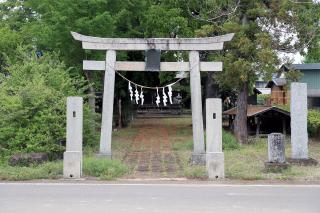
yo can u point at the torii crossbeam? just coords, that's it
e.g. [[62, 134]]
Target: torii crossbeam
[[110, 65]]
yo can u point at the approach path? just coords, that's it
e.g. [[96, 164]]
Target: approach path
[[151, 154]]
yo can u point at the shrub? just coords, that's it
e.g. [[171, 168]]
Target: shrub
[[33, 105], [104, 168], [229, 142], [314, 123], [49, 170]]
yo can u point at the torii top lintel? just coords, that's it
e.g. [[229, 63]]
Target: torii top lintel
[[97, 43]]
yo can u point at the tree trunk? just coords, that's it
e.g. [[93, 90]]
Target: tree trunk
[[211, 91], [92, 93], [92, 103], [119, 114], [240, 126]]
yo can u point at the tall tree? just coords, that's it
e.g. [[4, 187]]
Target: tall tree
[[262, 29]]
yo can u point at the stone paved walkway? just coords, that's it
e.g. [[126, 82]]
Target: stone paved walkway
[[151, 154]]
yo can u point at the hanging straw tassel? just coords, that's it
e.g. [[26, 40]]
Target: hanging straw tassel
[[164, 100], [137, 95], [130, 90], [158, 98], [141, 96], [170, 93]]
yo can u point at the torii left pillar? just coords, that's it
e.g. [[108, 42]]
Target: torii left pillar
[[198, 155], [107, 105]]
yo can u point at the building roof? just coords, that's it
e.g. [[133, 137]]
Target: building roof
[[277, 81], [254, 110], [311, 66]]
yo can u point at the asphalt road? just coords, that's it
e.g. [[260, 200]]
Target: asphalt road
[[181, 198]]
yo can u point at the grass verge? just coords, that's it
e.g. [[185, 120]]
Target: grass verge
[[105, 169], [49, 170]]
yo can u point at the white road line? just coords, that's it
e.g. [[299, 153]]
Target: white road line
[[162, 184]]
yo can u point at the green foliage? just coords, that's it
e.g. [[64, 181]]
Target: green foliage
[[103, 168], [314, 123], [195, 172], [33, 104], [49, 170], [292, 76], [186, 145], [229, 142], [262, 99]]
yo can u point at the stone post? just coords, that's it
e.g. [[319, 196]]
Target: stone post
[[72, 158], [276, 153], [198, 156], [276, 148], [299, 113], [214, 154], [107, 105]]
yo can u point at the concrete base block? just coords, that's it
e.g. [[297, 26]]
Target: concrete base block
[[104, 155], [215, 165], [72, 164], [276, 166], [198, 159], [303, 162]]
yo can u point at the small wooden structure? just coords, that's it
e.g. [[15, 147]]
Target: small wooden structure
[[263, 120], [279, 94]]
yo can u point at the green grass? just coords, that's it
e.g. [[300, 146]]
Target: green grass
[[103, 168], [195, 172], [247, 163], [49, 170], [182, 146]]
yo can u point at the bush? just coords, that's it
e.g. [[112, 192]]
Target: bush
[[314, 123], [229, 142], [103, 168], [50, 170], [33, 105]]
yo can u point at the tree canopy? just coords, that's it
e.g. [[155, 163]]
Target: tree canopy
[[262, 30]]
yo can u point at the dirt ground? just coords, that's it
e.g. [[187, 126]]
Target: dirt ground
[[149, 152], [161, 148]]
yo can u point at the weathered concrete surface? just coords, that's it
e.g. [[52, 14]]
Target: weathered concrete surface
[[96, 43], [148, 198], [196, 104], [74, 123], [213, 125], [72, 164], [72, 158], [299, 113], [107, 107], [215, 165], [276, 148], [214, 154], [140, 66]]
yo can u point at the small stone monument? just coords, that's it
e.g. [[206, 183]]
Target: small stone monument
[[214, 154], [299, 132], [276, 152], [72, 158]]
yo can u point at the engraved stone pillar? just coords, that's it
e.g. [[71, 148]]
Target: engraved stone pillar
[[107, 106], [276, 148], [198, 156], [214, 154], [72, 158], [299, 113]]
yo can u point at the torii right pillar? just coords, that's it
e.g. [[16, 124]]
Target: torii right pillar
[[198, 155], [299, 115]]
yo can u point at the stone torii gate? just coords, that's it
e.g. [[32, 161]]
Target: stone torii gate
[[110, 65]]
